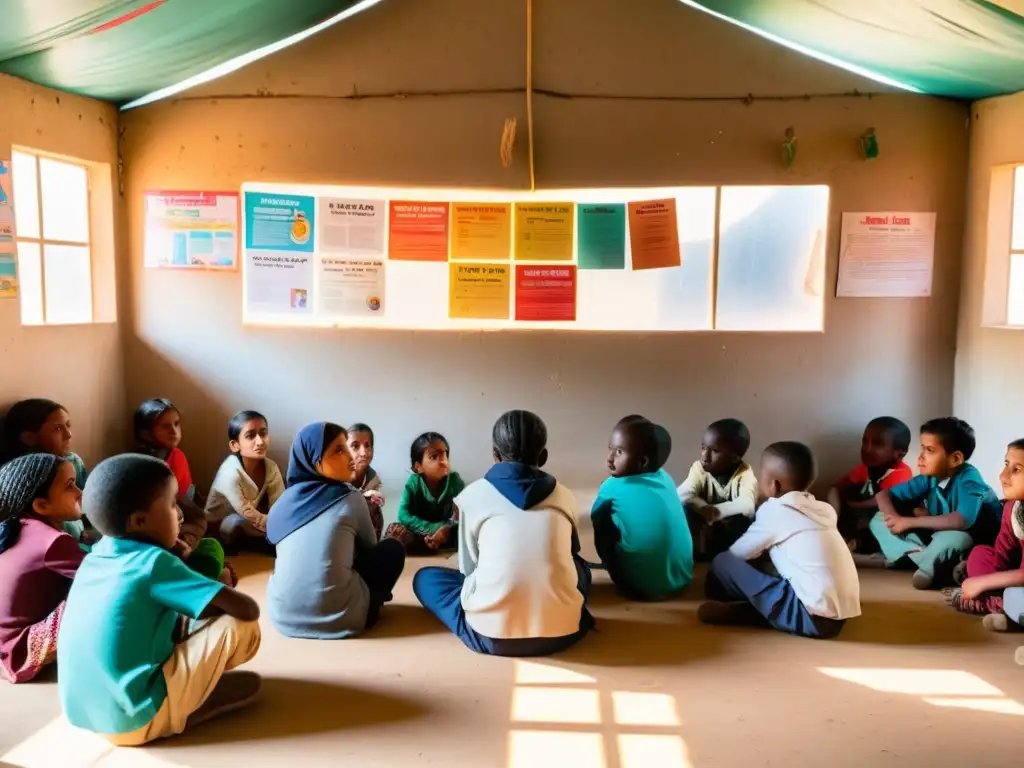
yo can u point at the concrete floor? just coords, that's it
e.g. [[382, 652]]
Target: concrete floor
[[909, 683]]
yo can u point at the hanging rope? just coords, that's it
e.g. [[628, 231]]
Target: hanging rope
[[529, 90], [508, 142]]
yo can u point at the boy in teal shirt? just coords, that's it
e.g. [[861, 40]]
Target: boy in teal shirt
[[125, 671], [935, 518], [640, 530]]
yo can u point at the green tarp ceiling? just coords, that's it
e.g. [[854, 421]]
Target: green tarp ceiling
[[120, 50]]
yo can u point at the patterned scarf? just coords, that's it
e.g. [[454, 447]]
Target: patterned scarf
[[1018, 520]]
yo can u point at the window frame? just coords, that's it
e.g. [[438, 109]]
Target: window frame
[[42, 241], [1011, 312]]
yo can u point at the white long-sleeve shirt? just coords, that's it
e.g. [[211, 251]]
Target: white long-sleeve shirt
[[800, 535], [736, 497]]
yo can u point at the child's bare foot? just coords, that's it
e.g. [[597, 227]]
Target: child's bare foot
[[996, 622], [869, 561], [922, 580], [1019, 656], [234, 691]]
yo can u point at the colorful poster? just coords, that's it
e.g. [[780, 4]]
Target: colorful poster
[[279, 282], [8, 246], [887, 254], [275, 222], [197, 230], [601, 229], [545, 293], [544, 231], [354, 227], [481, 231], [654, 234], [419, 231], [6, 203], [479, 291], [351, 287]]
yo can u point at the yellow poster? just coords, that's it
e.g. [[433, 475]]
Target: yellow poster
[[544, 231], [481, 230], [479, 291]]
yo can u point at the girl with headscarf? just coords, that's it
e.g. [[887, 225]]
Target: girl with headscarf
[[331, 577], [38, 560]]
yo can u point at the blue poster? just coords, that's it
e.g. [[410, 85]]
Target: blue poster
[[277, 222]]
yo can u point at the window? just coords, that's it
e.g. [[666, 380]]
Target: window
[[52, 220], [1015, 299]]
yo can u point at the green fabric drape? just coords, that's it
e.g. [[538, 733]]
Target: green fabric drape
[[56, 42], [962, 48]]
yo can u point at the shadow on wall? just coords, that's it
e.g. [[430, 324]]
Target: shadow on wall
[[202, 414]]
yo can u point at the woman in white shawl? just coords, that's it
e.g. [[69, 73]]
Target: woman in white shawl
[[246, 486]]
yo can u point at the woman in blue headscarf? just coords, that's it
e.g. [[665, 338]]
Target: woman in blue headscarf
[[331, 577]]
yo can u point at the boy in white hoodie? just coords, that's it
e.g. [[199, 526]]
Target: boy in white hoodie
[[815, 589]]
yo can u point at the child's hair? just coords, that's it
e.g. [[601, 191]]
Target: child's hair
[[1016, 445], [331, 432], [896, 430], [520, 437], [120, 486], [22, 481], [360, 427], [237, 422], [147, 414], [954, 434], [421, 443], [795, 460], [24, 416], [653, 440], [735, 433]]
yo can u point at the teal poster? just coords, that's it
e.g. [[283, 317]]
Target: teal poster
[[275, 222], [602, 235]]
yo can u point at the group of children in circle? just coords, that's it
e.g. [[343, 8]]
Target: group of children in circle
[[137, 602]]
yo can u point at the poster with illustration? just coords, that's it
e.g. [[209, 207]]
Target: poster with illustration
[[276, 222], [191, 230]]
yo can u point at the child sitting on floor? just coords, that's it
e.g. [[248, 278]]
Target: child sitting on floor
[[331, 578], [934, 519], [885, 442], [521, 588], [43, 426], [123, 675], [720, 493], [360, 443], [246, 486], [993, 576], [157, 426], [425, 522], [640, 531], [815, 589], [38, 560]]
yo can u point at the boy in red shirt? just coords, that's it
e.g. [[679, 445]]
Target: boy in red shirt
[[885, 442]]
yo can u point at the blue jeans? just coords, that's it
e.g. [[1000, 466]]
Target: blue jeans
[[1013, 604], [440, 592], [731, 579]]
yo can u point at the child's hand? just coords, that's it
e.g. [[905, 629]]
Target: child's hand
[[182, 550], [437, 539], [374, 499], [896, 524], [970, 588], [711, 513]]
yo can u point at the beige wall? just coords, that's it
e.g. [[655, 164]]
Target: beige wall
[[285, 119], [989, 361], [79, 366]]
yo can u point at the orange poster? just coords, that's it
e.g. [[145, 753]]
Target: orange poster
[[654, 234], [418, 231]]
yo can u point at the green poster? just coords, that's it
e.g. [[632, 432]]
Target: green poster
[[602, 235]]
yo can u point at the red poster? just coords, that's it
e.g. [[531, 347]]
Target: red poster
[[418, 232], [545, 292]]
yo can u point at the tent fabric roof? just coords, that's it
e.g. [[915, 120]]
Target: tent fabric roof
[[119, 50]]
